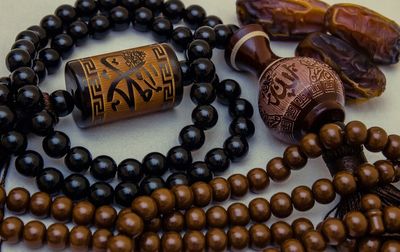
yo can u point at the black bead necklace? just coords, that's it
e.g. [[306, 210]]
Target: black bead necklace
[[25, 109]]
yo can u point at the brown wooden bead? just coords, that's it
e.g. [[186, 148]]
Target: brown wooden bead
[[146, 207], [174, 222], [238, 237], [294, 158], [334, 231], [331, 136], [281, 205], [281, 231], [217, 217], [171, 242], [386, 171], [301, 226], [392, 148], [369, 244], [18, 200], [149, 242], [292, 245], [105, 217], [202, 193], [356, 133], [57, 236], [272, 249], [165, 200], [130, 224], [260, 236], [61, 208], [277, 170], [80, 239], [356, 224], [367, 175], [216, 240], [302, 198], [239, 185], [83, 212], [344, 183], [183, 196], [11, 229], [195, 218], [349, 245], [3, 196], [40, 204], [120, 243], [124, 211], [376, 140], [313, 241], [34, 234], [259, 210], [194, 241], [100, 239], [391, 246], [396, 172], [258, 180], [323, 191], [311, 146], [370, 202], [238, 214], [221, 189], [153, 225], [391, 218]]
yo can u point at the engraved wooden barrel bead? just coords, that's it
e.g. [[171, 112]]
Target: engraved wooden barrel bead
[[124, 84]]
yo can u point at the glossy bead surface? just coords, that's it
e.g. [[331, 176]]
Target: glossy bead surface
[[294, 158], [79, 32], [161, 29], [63, 44], [386, 171], [120, 243], [323, 191], [212, 21], [143, 18], [281, 205], [202, 194], [194, 16], [34, 234], [6, 118], [13, 142], [76, 187], [11, 230], [125, 192], [391, 218], [50, 180], [241, 108], [222, 35], [195, 218], [52, 24], [18, 200], [356, 133], [26, 45], [367, 175], [202, 93], [258, 180], [39, 68], [217, 160], [181, 37], [61, 209], [56, 145], [205, 117], [184, 196], [356, 224], [103, 168], [216, 239], [207, 34], [344, 183], [392, 148], [179, 158], [217, 217], [239, 185], [220, 188], [101, 194], [51, 59], [259, 210], [99, 27], [391, 245], [194, 241], [242, 126], [314, 241], [164, 199], [29, 97], [238, 214], [260, 236], [174, 10], [198, 49], [228, 91], [130, 170], [331, 136], [62, 102], [86, 8], [78, 159], [23, 76], [377, 139], [41, 33], [292, 245], [42, 123], [238, 237], [57, 235], [154, 164], [80, 238], [187, 76], [334, 231], [311, 146], [150, 184], [39, 205], [177, 178], [199, 171], [302, 198], [29, 164], [105, 216], [5, 94], [146, 207], [29, 35], [281, 231], [66, 13], [277, 170], [130, 224], [119, 18], [191, 137], [236, 148], [301, 226], [203, 70], [171, 241], [83, 213], [17, 58], [174, 222]]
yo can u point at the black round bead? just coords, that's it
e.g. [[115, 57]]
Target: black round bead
[[63, 44], [187, 76], [161, 29], [236, 147], [241, 108], [78, 159], [51, 59], [130, 170], [23, 76], [119, 18], [62, 102], [222, 35], [76, 187], [206, 33], [199, 172], [86, 8], [25, 45], [99, 27], [202, 93], [13, 142], [150, 184], [174, 10], [233, 28], [41, 33], [194, 16], [203, 70], [79, 32], [66, 13], [101, 194], [181, 37], [5, 95], [29, 163], [154, 5], [5, 81], [212, 21], [198, 49], [228, 91], [191, 137], [103, 168], [205, 116], [40, 69], [131, 5], [50, 180], [154, 164], [52, 24], [107, 5], [17, 58], [177, 178], [125, 193], [29, 97], [30, 36], [179, 158], [242, 126], [217, 160], [42, 123], [143, 19], [6, 118], [57, 144]]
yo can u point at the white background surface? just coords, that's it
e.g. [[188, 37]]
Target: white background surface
[[136, 137]]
